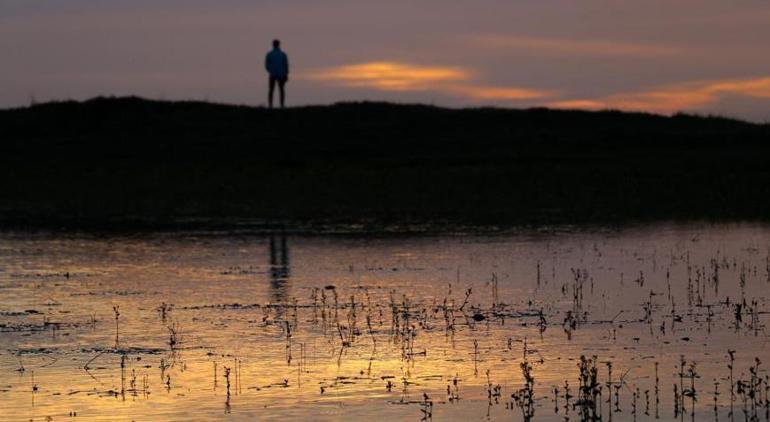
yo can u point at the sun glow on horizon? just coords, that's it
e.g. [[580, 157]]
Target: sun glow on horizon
[[391, 76], [673, 98], [398, 76]]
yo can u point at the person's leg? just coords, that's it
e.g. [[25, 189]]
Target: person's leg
[[271, 85], [281, 85]]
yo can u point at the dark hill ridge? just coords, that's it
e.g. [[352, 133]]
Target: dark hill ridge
[[124, 162]]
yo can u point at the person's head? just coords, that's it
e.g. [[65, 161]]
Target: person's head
[[276, 43]]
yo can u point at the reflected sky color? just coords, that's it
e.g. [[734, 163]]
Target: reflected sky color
[[231, 299], [706, 56]]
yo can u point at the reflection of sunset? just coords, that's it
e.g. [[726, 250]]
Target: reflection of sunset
[[324, 329]]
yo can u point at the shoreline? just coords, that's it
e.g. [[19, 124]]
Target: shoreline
[[135, 164]]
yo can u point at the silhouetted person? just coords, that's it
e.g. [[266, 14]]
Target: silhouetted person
[[277, 65]]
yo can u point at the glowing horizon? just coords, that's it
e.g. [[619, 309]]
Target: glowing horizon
[[704, 56], [394, 76]]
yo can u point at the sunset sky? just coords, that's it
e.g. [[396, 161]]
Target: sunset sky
[[706, 56]]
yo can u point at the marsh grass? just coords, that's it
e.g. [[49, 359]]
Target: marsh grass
[[403, 328]]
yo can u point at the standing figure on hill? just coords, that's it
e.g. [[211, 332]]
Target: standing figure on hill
[[277, 65]]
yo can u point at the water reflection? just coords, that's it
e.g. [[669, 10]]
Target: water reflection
[[279, 267], [401, 337]]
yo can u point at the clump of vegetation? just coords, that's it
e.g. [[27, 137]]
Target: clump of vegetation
[[589, 391], [524, 398]]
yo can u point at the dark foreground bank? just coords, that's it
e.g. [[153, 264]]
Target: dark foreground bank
[[130, 163]]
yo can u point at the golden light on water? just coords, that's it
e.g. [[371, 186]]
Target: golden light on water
[[280, 316]]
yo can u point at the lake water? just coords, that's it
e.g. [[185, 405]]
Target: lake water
[[189, 326]]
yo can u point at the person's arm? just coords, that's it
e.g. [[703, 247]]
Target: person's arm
[[287, 67], [267, 62]]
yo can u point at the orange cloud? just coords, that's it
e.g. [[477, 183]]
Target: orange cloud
[[394, 76], [577, 47], [673, 98], [391, 76], [481, 92], [759, 87]]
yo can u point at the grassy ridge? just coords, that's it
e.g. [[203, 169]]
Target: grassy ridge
[[128, 161]]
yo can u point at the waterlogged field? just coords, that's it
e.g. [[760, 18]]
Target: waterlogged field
[[664, 322]]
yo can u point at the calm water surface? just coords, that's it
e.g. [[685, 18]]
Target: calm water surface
[[206, 325]]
